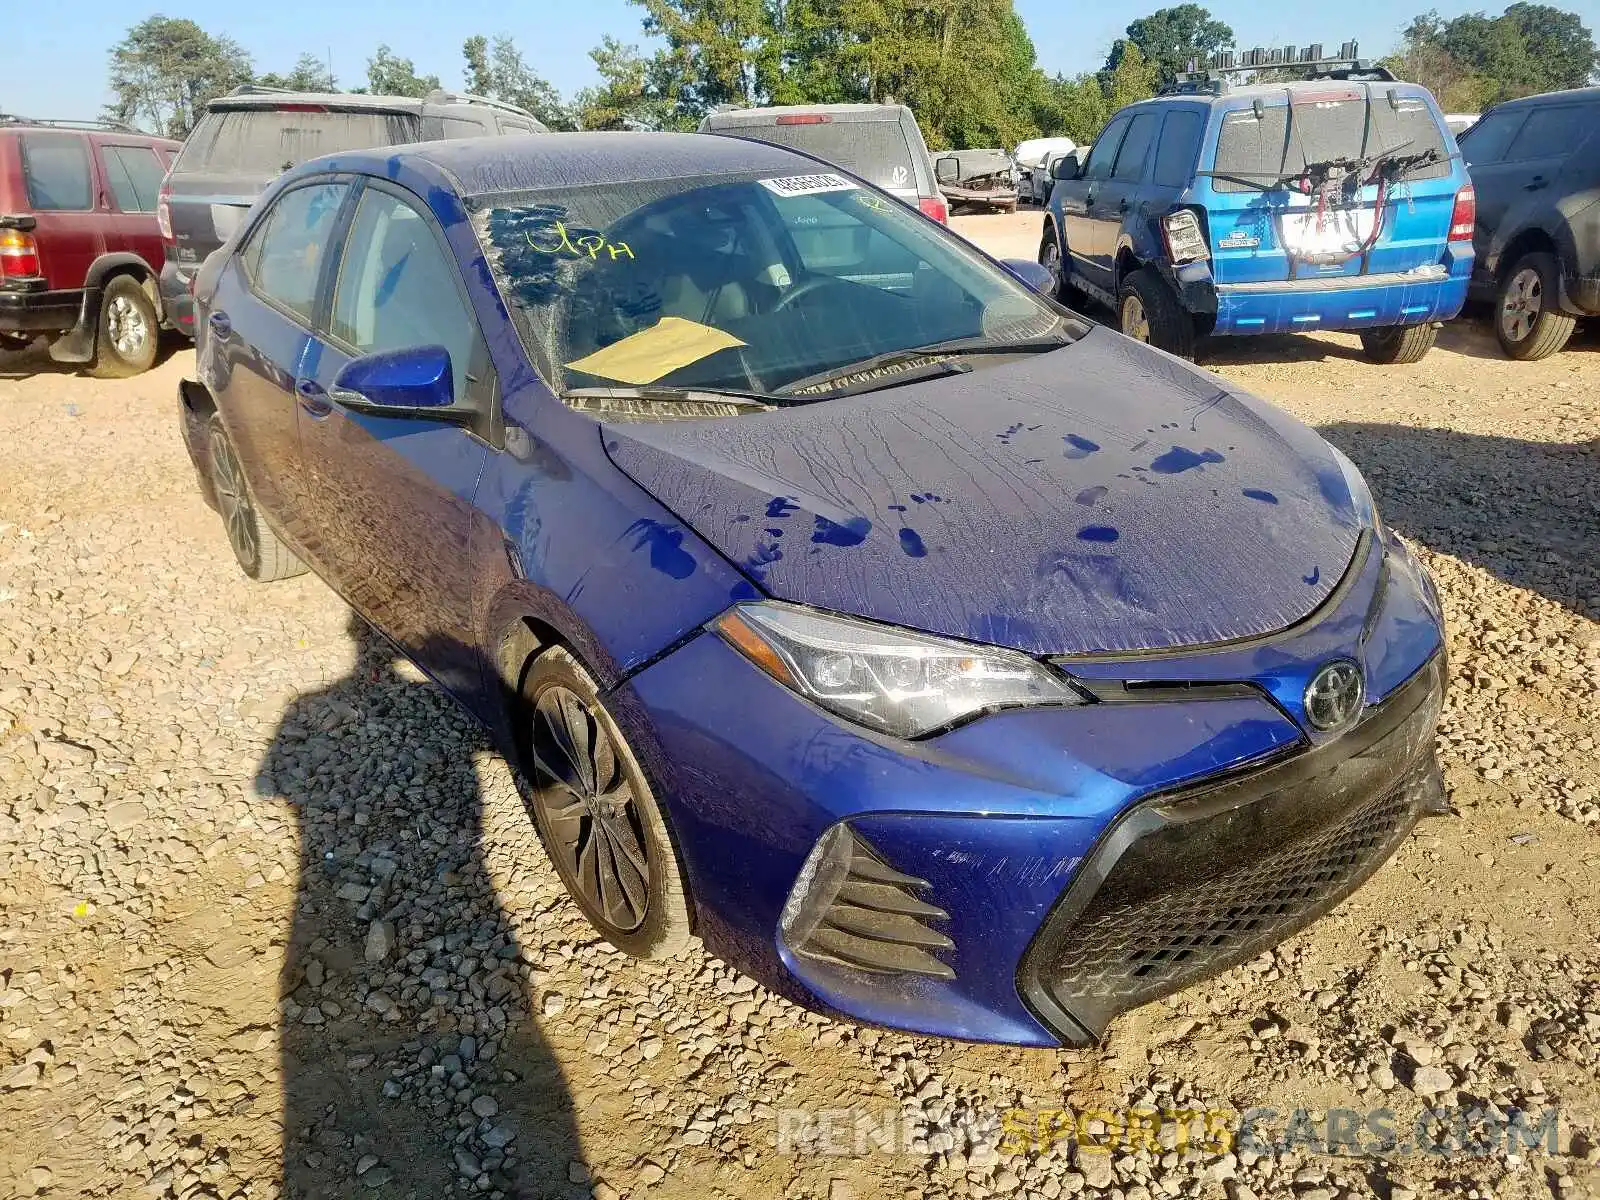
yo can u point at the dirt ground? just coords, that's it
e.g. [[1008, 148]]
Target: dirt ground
[[270, 924]]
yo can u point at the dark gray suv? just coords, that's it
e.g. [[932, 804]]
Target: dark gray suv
[[251, 136], [1535, 165]]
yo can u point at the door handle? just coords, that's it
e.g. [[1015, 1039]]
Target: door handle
[[220, 325], [1539, 181], [1122, 205], [313, 399]]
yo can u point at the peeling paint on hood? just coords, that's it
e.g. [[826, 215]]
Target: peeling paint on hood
[[1100, 498]]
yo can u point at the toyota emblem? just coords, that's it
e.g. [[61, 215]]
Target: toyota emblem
[[1334, 696]]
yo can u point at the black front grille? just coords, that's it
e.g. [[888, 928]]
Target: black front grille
[[1191, 884]]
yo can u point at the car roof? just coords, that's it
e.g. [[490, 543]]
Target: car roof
[[86, 129], [846, 112], [1287, 91], [507, 164], [1587, 93]]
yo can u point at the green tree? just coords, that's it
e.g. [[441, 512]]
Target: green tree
[[1169, 37], [165, 69], [1529, 48], [1131, 80], [390, 75], [1075, 107], [634, 92], [723, 51], [309, 74], [497, 70]]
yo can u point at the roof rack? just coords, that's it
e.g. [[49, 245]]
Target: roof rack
[[96, 124], [1215, 75], [444, 96]]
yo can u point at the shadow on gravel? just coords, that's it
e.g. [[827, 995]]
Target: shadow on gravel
[[36, 360], [397, 928], [1526, 511]]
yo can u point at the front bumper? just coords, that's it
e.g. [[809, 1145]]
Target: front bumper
[[996, 823]]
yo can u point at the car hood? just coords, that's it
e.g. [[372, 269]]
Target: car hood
[[1100, 498]]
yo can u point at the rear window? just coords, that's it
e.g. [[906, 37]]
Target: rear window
[[875, 150], [265, 142], [56, 167], [1256, 151]]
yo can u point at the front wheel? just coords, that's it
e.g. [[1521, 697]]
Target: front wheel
[[1148, 311], [1399, 344], [1527, 318], [597, 814]]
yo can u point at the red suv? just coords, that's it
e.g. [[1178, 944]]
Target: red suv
[[80, 251]]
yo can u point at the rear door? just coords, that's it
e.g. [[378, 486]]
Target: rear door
[[257, 332], [391, 497], [1534, 155], [133, 175], [62, 190], [1496, 182], [1112, 202]]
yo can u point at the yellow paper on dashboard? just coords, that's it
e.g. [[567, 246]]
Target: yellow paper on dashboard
[[654, 353]]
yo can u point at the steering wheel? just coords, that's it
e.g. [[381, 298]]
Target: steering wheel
[[804, 288]]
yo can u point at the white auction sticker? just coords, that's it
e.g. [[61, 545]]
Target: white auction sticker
[[807, 185]]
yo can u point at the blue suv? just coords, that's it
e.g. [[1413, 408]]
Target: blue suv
[[1333, 203]]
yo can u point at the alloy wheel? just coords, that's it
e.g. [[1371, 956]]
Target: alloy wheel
[[127, 326], [1522, 304], [1135, 322], [238, 517], [586, 801], [1051, 261]]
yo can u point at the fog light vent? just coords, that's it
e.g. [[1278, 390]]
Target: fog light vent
[[850, 907]]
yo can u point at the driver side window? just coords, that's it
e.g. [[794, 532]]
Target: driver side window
[[1105, 150]]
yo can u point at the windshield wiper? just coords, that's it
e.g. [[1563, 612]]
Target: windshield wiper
[[664, 394], [935, 353]]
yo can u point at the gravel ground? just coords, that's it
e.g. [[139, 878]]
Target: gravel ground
[[272, 924]]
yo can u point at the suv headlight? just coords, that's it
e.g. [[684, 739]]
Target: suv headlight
[[893, 680]]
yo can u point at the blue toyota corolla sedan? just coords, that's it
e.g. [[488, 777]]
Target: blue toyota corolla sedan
[[936, 658]]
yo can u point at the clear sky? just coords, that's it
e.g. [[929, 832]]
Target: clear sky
[[54, 64]]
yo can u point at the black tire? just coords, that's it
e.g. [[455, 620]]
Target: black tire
[[1527, 318], [596, 812], [1396, 345], [259, 552], [1148, 311], [129, 333], [1052, 256]]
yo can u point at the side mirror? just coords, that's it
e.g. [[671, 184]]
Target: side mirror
[[946, 170], [1067, 167], [1031, 273], [414, 382]]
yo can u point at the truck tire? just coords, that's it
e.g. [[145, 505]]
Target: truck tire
[[126, 340], [260, 553], [1148, 311], [1396, 345], [1528, 319], [1054, 260]]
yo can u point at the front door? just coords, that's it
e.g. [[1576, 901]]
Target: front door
[[1078, 197], [392, 497], [259, 328]]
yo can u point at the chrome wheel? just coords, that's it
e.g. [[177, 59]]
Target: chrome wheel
[[233, 498], [126, 324], [1050, 260], [1521, 305], [1135, 322], [586, 800]]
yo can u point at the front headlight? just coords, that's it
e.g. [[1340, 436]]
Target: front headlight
[[892, 680]]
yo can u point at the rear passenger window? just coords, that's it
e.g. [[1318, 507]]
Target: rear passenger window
[[1487, 141], [1548, 133], [1104, 151], [56, 167], [509, 126], [287, 249], [1135, 148], [134, 173], [1176, 151], [398, 289], [457, 127]]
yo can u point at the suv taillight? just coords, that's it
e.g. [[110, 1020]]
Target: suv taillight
[[164, 211], [19, 254], [934, 207], [1464, 216]]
